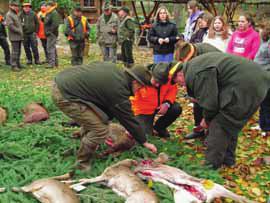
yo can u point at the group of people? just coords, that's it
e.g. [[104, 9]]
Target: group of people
[[24, 27], [215, 66]]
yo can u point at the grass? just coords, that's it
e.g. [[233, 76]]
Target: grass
[[35, 151]]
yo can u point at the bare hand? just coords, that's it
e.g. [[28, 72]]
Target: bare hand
[[204, 124], [150, 146], [160, 41], [163, 108]]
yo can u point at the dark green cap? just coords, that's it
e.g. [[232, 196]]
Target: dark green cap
[[26, 3], [140, 73], [14, 2], [77, 7], [106, 6], [124, 8], [183, 50], [160, 72], [43, 3]]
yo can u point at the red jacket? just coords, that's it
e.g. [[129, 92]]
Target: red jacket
[[147, 99]]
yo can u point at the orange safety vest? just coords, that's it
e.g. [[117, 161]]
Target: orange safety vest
[[41, 31], [71, 22]]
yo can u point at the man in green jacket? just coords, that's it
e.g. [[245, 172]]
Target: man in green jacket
[[94, 94], [185, 52], [126, 32], [77, 30], [30, 29], [51, 24], [229, 89], [107, 26], [15, 34]]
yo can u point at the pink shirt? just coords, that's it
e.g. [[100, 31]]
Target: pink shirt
[[245, 44]]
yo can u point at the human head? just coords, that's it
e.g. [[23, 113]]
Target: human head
[[43, 7], [160, 73], [77, 11], [140, 75], [206, 20], [123, 12], [245, 21], [265, 33], [178, 76], [26, 6], [218, 25], [192, 7], [107, 8], [163, 14], [14, 5], [184, 51]]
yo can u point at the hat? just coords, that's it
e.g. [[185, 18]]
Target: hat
[[107, 6], [27, 3], [184, 51], [50, 3], [140, 73], [43, 3], [124, 8], [77, 7], [14, 2], [178, 67], [160, 72]]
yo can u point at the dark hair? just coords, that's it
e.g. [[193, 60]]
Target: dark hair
[[248, 18], [224, 32], [265, 34]]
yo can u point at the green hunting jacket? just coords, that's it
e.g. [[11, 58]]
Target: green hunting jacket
[[51, 23], [15, 30], [203, 48], [104, 88], [30, 22], [126, 30], [225, 85], [105, 36], [78, 33]]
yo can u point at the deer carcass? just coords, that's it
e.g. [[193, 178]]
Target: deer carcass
[[188, 189], [124, 182], [50, 190], [34, 112]]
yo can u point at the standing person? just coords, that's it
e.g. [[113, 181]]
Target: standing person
[[163, 35], [263, 58], [205, 21], [77, 29], [30, 29], [186, 52], [126, 34], [3, 40], [229, 89], [41, 32], [194, 12], [15, 34], [94, 94], [159, 98], [218, 34], [245, 41], [51, 24], [107, 26]]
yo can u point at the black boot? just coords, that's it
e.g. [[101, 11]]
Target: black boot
[[197, 133]]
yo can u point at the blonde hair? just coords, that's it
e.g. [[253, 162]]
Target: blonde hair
[[225, 29], [166, 10]]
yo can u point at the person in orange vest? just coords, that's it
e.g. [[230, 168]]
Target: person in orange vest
[[41, 32], [3, 40], [77, 29], [157, 99]]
